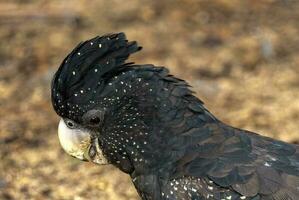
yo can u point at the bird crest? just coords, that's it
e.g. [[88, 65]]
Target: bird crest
[[84, 71]]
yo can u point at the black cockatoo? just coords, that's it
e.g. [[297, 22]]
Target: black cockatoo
[[149, 124]]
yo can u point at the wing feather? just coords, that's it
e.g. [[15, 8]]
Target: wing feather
[[244, 162]]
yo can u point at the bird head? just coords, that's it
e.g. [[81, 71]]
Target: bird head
[[131, 116], [79, 93]]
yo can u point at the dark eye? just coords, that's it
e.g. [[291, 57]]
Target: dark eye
[[95, 120], [93, 117]]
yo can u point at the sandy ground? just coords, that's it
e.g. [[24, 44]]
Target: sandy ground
[[242, 57]]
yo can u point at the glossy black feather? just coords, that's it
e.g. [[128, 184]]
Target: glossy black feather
[[85, 71], [157, 131]]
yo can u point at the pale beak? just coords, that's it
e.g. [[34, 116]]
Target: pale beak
[[80, 144]]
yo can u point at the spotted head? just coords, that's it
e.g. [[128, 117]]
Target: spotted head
[[78, 89]]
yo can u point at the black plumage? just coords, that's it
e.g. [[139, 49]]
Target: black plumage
[[153, 128]]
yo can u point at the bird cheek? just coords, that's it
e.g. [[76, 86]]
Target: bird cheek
[[95, 153]]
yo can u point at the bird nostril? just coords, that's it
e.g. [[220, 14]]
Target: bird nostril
[[70, 124]]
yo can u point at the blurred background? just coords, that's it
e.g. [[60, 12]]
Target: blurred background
[[241, 57]]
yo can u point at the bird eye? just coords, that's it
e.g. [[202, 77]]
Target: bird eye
[[95, 120]]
